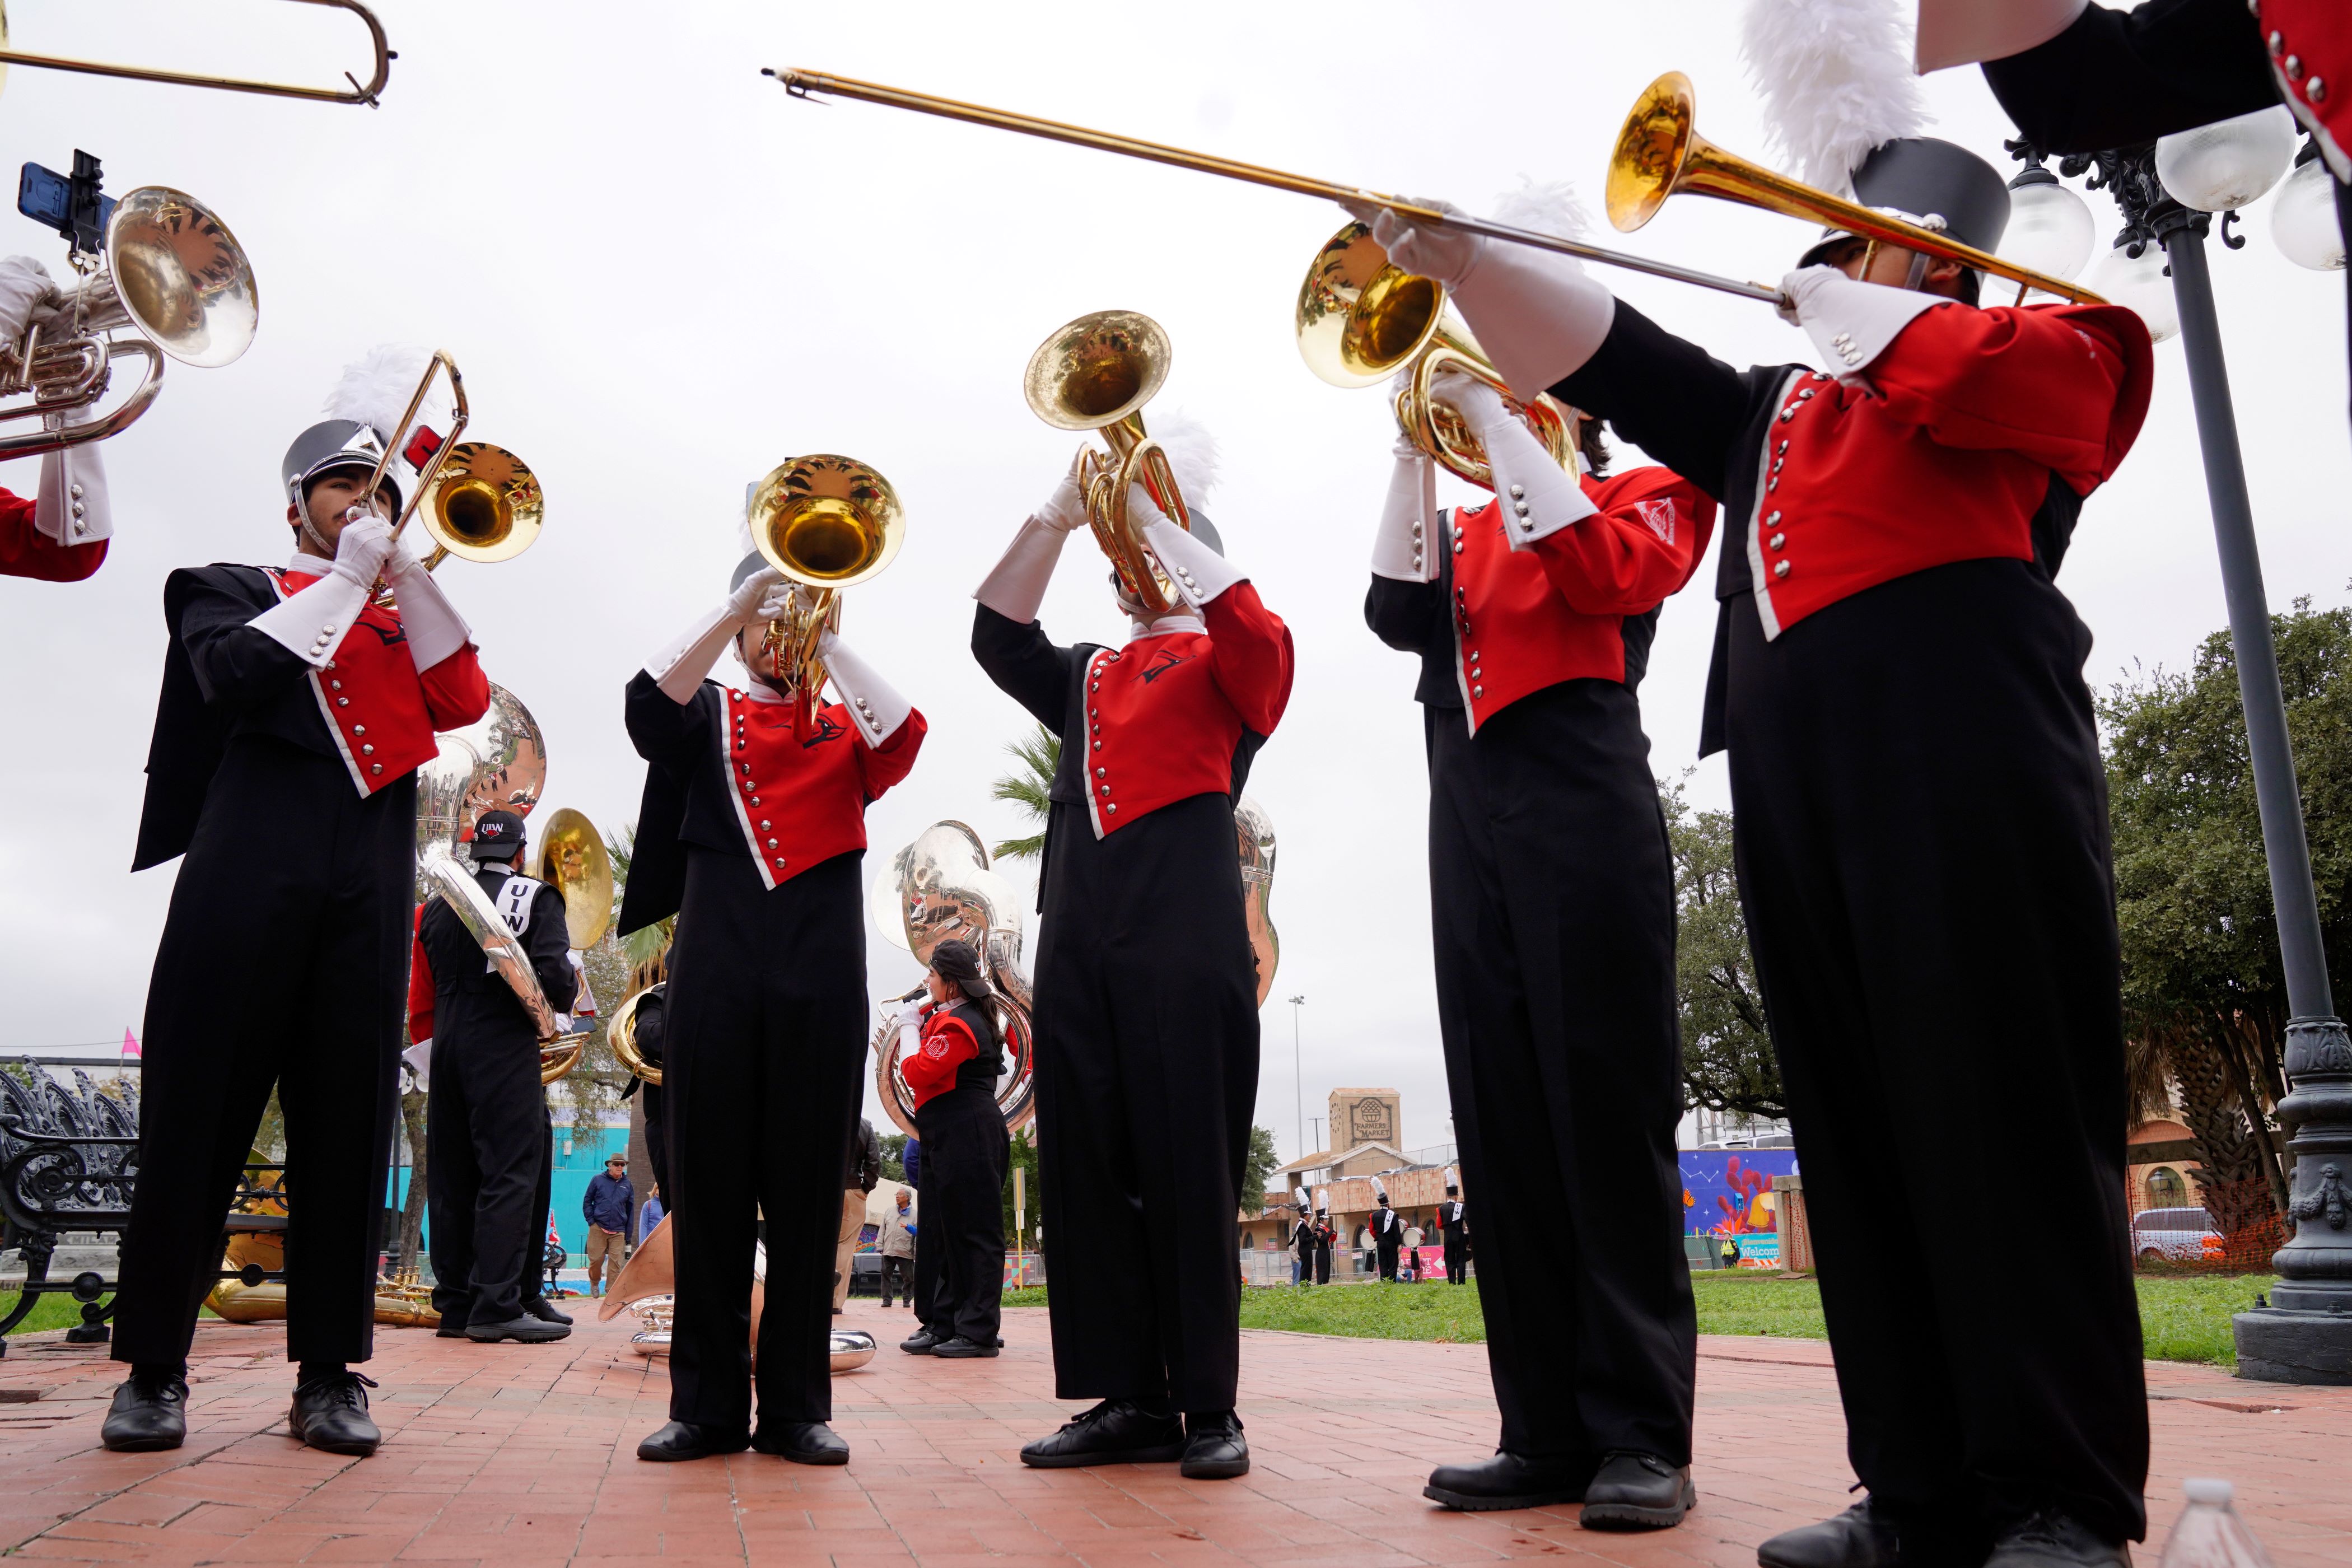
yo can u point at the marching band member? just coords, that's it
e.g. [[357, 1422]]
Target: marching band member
[[485, 1117], [754, 836], [294, 712], [1920, 812], [951, 1055], [1552, 900], [1146, 1028], [60, 536]]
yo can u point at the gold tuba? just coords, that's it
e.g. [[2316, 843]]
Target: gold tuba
[[1361, 319], [1096, 374], [826, 523]]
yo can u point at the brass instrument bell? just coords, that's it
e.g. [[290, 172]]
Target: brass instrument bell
[[1361, 319], [1096, 373], [569, 856]]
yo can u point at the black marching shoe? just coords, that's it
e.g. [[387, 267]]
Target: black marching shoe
[[2052, 1540], [542, 1308], [1506, 1481], [923, 1341], [1116, 1432], [330, 1414], [961, 1349], [1637, 1492], [1861, 1537], [150, 1413], [1214, 1448], [685, 1440], [801, 1442], [524, 1330]]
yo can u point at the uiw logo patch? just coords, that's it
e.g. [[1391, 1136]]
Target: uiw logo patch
[[1660, 516]]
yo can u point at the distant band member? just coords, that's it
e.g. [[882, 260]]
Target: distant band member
[[1147, 1026], [485, 1117], [1453, 1227], [294, 714], [60, 535], [950, 1055], [753, 835], [1553, 906]]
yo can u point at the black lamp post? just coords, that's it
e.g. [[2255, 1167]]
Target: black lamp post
[[2304, 1335]]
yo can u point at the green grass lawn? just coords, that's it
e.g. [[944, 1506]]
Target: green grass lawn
[[2183, 1317]]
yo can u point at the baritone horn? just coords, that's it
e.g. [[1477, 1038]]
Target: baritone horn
[[1660, 153], [1361, 319], [1096, 373], [827, 523]]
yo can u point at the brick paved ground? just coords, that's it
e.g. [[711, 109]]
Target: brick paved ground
[[516, 1457]]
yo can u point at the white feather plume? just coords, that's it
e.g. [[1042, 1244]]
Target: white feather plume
[[375, 390], [1836, 79], [1549, 208], [1191, 451]]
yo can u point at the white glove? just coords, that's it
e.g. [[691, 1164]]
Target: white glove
[[1539, 497], [1849, 323], [1065, 509], [1197, 572], [1448, 254], [362, 550], [24, 283]]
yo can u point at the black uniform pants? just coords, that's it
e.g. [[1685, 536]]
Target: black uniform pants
[[486, 1133], [965, 1150], [1457, 1264], [284, 961], [1922, 835], [762, 1052], [1147, 1046], [1552, 908]]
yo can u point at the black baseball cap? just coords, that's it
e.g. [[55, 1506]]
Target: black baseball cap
[[496, 834]]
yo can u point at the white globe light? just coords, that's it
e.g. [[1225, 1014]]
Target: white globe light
[[2303, 219], [2229, 162], [2141, 284], [2050, 229]]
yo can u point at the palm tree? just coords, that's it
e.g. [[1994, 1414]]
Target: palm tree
[[1039, 753]]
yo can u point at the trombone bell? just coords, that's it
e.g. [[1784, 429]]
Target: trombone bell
[[827, 522], [483, 505]]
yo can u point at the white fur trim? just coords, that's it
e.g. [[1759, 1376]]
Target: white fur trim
[[1404, 550], [1015, 586], [1836, 79], [1197, 572]]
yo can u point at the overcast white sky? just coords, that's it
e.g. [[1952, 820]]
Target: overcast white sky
[[662, 276]]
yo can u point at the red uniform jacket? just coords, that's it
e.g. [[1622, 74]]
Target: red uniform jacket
[[1164, 713], [1523, 621], [948, 1043], [26, 552], [1943, 450]]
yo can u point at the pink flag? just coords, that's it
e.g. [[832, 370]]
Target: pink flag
[[129, 1042]]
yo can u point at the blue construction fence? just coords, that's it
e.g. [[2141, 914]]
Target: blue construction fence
[[576, 1161]]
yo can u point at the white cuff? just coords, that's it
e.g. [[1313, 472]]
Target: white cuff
[[1197, 572], [72, 509], [1851, 324], [1016, 587], [1536, 313], [1407, 521], [434, 627], [681, 668], [313, 624], [1538, 496], [873, 702]]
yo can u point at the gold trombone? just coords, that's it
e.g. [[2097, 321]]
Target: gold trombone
[[385, 55], [827, 523], [1362, 318], [1096, 373], [477, 502], [1658, 151]]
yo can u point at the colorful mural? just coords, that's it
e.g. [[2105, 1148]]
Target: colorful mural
[[1728, 1191]]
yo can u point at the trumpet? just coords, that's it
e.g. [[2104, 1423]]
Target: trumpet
[[1362, 318], [1096, 373], [385, 55], [827, 523], [167, 267], [1656, 149], [476, 501]]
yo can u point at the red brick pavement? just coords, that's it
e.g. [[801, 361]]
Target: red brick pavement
[[514, 1457]]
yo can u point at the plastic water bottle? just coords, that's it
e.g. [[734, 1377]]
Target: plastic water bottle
[[2210, 1534]]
